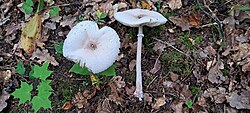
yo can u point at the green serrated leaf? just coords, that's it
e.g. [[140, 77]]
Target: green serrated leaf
[[54, 11], [40, 101], [23, 93], [20, 69], [42, 72], [59, 48], [109, 72], [76, 68], [189, 104], [44, 88], [27, 8]]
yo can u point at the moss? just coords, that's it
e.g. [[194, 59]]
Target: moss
[[176, 62]]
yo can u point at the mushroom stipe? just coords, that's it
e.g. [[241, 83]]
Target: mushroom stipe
[[139, 18]]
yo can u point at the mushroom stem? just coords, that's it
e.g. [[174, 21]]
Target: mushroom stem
[[138, 91]]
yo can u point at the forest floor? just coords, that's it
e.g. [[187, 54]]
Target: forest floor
[[198, 61]]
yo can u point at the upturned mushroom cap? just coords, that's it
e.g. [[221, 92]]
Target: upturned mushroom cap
[[94, 48], [140, 17]]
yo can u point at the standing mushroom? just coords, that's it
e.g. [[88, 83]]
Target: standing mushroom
[[92, 47], [139, 18]]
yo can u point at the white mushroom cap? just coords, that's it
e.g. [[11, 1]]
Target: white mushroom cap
[[140, 17], [94, 48]]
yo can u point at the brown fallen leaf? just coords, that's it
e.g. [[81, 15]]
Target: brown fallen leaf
[[244, 37], [145, 5], [244, 52], [104, 107], [239, 100], [178, 108], [246, 66], [81, 98], [132, 65], [175, 4], [44, 56], [181, 22], [194, 19], [215, 75], [3, 97], [67, 105], [68, 21], [158, 46], [12, 28], [130, 91], [201, 101], [30, 33], [147, 98], [159, 102], [217, 95], [174, 77], [116, 84]]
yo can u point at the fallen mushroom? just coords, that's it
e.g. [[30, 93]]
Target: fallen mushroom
[[139, 18], [92, 47]]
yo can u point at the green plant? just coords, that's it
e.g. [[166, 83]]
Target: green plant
[[189, 104], [54, 11], [59, 48], [195, 90], [41, 100], [28, 6], [190, 42], [20, 69], [101, 16], [76, 68], [176, 62], [242, 8]]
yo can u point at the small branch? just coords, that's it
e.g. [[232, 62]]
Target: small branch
[[168, 44]]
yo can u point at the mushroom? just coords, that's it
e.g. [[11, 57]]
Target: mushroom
[[139, 18], [92, 47]]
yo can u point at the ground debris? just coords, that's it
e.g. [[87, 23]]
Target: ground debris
[[116, 85], [239, 100], [3, 97], [215, 75], [81, 98], [44, 56]]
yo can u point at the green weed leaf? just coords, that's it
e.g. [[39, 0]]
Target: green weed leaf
[[103, 15], [40, 6], [54, 11], [40, 101], [76, 68], [20, 69], [41, 72], [109, 72], [59, 48], [27, 6], [189, 104], [44, 88], [243, 8], [23, 93]]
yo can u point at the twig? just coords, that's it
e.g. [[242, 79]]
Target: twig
[[208, 25], [215, 18], [65, 5], [168, 44]]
